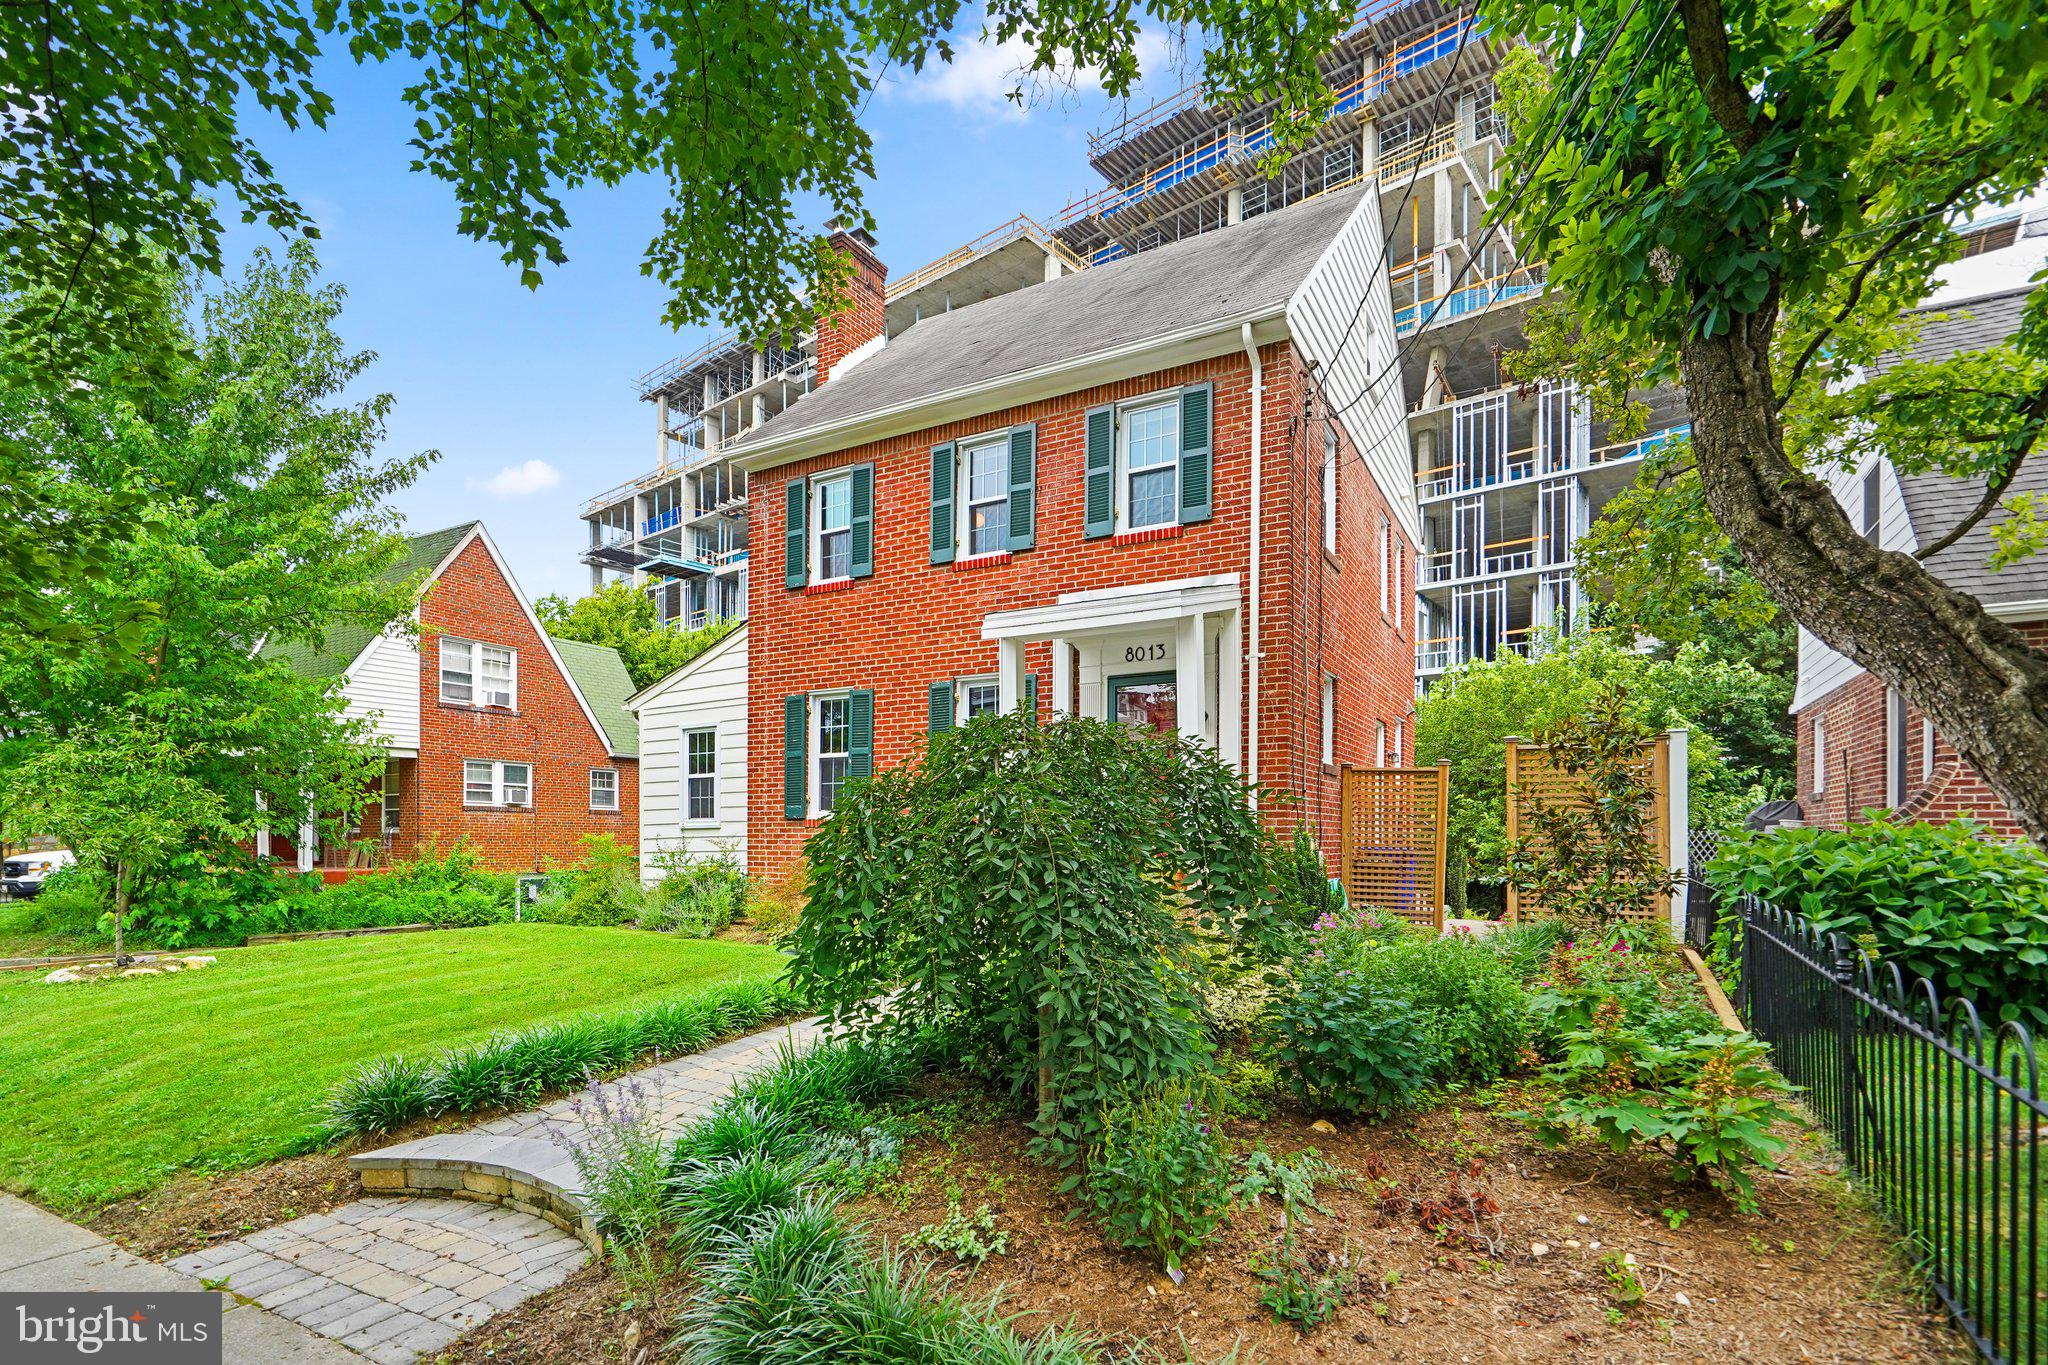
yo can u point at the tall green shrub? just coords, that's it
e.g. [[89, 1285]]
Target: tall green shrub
[[1945, 902], [1039, 886]]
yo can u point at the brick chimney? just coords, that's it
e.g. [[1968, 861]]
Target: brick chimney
[[861, 320]]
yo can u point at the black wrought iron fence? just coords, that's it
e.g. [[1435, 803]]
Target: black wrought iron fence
[[1938, 1110]]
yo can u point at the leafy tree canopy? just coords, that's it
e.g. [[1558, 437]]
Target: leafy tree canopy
[[264, 492], [623, 617], [121, 134], [1747, 197]]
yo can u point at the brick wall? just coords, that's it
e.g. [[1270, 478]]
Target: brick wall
[[1855, 718], [914, 621], [861, 320], [472, 600]]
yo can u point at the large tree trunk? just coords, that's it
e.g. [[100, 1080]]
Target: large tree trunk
[[1984, 687]]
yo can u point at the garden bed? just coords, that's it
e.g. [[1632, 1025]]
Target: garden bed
[[1814, 1278]]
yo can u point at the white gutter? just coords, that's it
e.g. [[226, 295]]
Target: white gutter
[[1251, 350]]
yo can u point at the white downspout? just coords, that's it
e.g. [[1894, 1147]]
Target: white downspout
[[1251, 350]]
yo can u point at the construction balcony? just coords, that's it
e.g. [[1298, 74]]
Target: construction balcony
[[1527, 464]]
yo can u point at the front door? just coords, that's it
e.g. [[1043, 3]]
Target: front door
[[1145, 700]]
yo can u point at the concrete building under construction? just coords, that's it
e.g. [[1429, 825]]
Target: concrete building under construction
[[1507, 476]]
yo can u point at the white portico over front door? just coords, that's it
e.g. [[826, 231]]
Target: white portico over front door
[[1163, 655]]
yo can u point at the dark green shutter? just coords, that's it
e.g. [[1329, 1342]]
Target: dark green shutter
[[796, 764], [1100, 511], [1023, 485], [860, 744], [940, 707], [861, 527], [1195, 474], [794, 534], [1031, 695], [942, 504]]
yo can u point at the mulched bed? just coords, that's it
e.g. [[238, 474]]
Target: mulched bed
[[1815, 1278], [592, 1316]]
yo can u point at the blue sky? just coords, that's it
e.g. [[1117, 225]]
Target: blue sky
[[497, 377]]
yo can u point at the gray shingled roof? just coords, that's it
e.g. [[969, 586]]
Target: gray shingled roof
[[601, 676], [343, 642], [1211, 277], [1935, 503]]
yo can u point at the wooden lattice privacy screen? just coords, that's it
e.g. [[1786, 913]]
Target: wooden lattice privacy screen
[[1394, 827], [1531, 778]]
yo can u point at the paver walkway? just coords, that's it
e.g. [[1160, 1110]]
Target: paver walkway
[[42, 1253], [397, 1278]]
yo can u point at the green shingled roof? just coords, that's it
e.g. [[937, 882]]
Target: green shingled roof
[[344, 641], [601, 676]]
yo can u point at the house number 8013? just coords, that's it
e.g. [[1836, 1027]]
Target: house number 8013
[[1144, 654]]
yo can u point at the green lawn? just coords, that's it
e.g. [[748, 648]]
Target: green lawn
[[111, 1088]]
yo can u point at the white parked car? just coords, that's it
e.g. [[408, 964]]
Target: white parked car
[[22, 876]]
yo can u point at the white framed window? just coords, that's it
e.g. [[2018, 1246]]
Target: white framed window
[[1400, 599], [604, 788], [477, 674], [1330, 491], [700, 776], [1329, 718], [831, 749], [832, 526], [1895, 733], [1386, 564], [975, 697], [1394, 754], [1820, 755], [1148, 465], [1926, 750], [486, 782], [391, 805], [1379, 745], [985, 508]]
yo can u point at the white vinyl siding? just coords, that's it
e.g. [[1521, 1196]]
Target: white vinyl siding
[[1341, 319], [383, 687], [710, 694]]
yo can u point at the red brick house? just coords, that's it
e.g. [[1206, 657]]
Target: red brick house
[[494, 732], [1861, 746], [1173, 490]]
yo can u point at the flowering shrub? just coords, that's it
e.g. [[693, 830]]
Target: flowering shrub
[[621, 1157], [1160, 1176]]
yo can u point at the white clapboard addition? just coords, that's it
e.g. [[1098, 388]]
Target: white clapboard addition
[[708, 693]]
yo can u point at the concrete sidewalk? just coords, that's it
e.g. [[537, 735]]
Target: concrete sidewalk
[[42, 1253]]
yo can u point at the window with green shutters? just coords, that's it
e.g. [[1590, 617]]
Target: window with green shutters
[[1149, 463], [829, 526], [984, 494], [828, 740], [796, 533], [796, 768]]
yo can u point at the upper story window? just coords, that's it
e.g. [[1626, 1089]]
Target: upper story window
[[1330, 491], [1149, 463], [1148, 459], [985, 511], [477, 674], [828, 527], [1871, 503], [832, 544]]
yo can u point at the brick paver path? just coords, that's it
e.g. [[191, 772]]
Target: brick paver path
[[396, 1279]]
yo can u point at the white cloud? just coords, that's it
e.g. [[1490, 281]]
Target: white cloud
[[519, 480], [982, 75]]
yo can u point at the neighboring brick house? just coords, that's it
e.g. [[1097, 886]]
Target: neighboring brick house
[[495, 733], [1862, 747], [1052, 498]]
